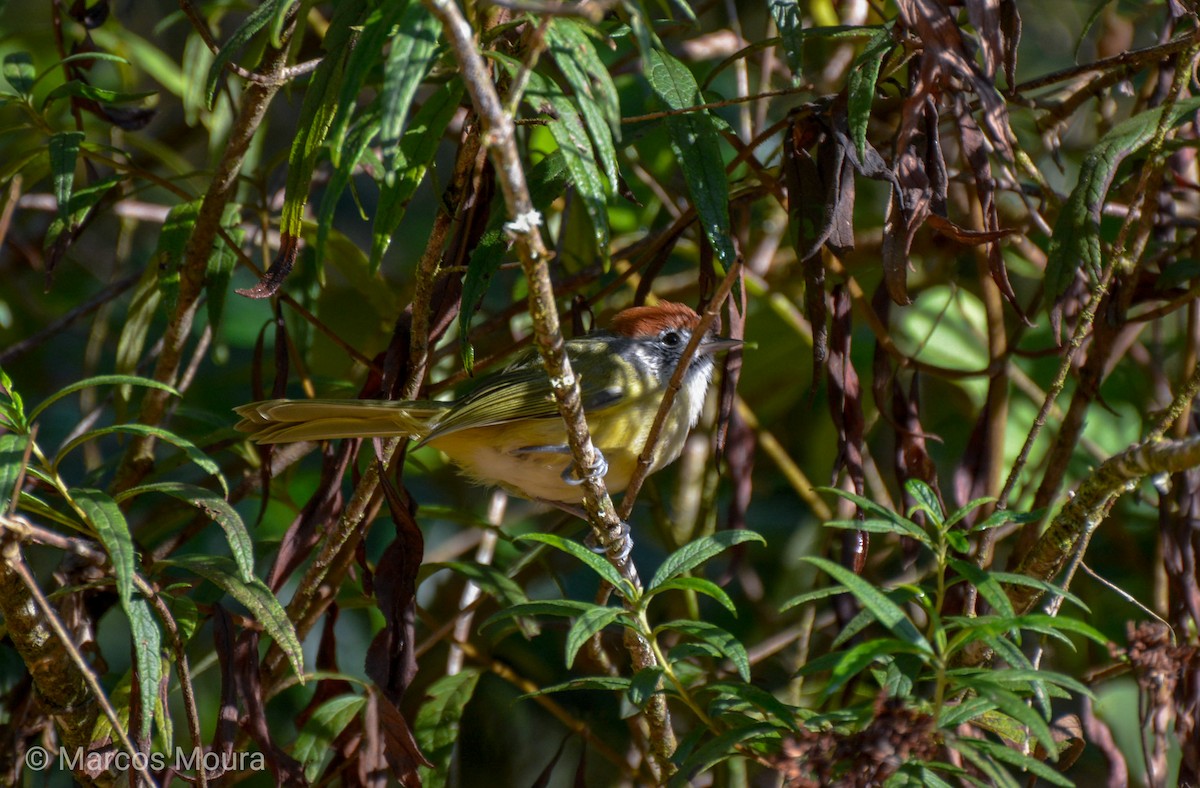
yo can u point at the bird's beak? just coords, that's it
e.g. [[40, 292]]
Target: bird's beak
[[719, 345]]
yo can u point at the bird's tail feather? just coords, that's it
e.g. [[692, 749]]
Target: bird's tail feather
[[287, 420]]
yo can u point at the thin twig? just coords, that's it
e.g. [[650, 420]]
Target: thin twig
[[523, 227], [676, 382]]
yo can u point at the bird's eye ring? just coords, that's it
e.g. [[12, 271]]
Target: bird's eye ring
[[670, 338]]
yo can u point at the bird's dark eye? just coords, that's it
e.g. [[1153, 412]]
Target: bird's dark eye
[[670, 338]]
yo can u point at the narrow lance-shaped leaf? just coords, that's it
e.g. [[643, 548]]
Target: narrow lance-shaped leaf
[[417, 150], [147, 648], [168, 254], [256, 20], [350, 154], [193, 452], [108, 522], [695, 553], [254, 596], [220, 265], [64, 149], [884, 610], [1076, 238], [413, 45], [364, 57], [594, 90], [569, 132], [19, 72], [317, 111], [697, 147], [438, 721], [720, 639], [598, 563], [217, 509], [860, 86], [588, 625], [316, 739], [12, 453], [99, 380], [788, 21]]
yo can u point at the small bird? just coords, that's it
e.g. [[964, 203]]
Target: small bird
[[508, 432]]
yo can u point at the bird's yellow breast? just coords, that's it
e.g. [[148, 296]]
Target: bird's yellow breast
[[506, 454]]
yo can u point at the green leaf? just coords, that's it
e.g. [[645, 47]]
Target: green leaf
[[693, 554], [700, 586], [217, 509], [1011, 756], [869, 507], [971, 506], [904, 528], [989, 587], [346, 155], [711, 634], [927, 500], [316, 739], [568, 608], [644, 684], [718, 749], [220, 265], [99, 380], [82, 202], [589, 624], [255, 21], [595, 93], [1011, 578], [317, 112], [12, 407], [570, 134], [147, 647], [856, 659], [860, 86], [1014, 706], [1076, 238], [697, 147], [253, 595], [193, 453], [64, 149], [1004, 516], [810, 596], [489, 578], [598, 563], [955, 714], [78, 89], [168, 254], [142, 309], [790, 23], [417, 150], [364, 57], [414, 43], [12, 455], [19, 72], [108, 523], [595, 683], [757, 697], [885, 611], [437, 725]]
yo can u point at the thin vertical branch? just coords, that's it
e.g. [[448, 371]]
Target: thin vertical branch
[[525, 221]]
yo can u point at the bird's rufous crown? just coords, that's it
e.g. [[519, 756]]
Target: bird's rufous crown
[[640, 321]]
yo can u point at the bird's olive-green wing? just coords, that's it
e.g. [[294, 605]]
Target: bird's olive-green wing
[[523, 392]]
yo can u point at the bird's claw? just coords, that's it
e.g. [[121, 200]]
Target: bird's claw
[[597, 471], [621, 537]]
